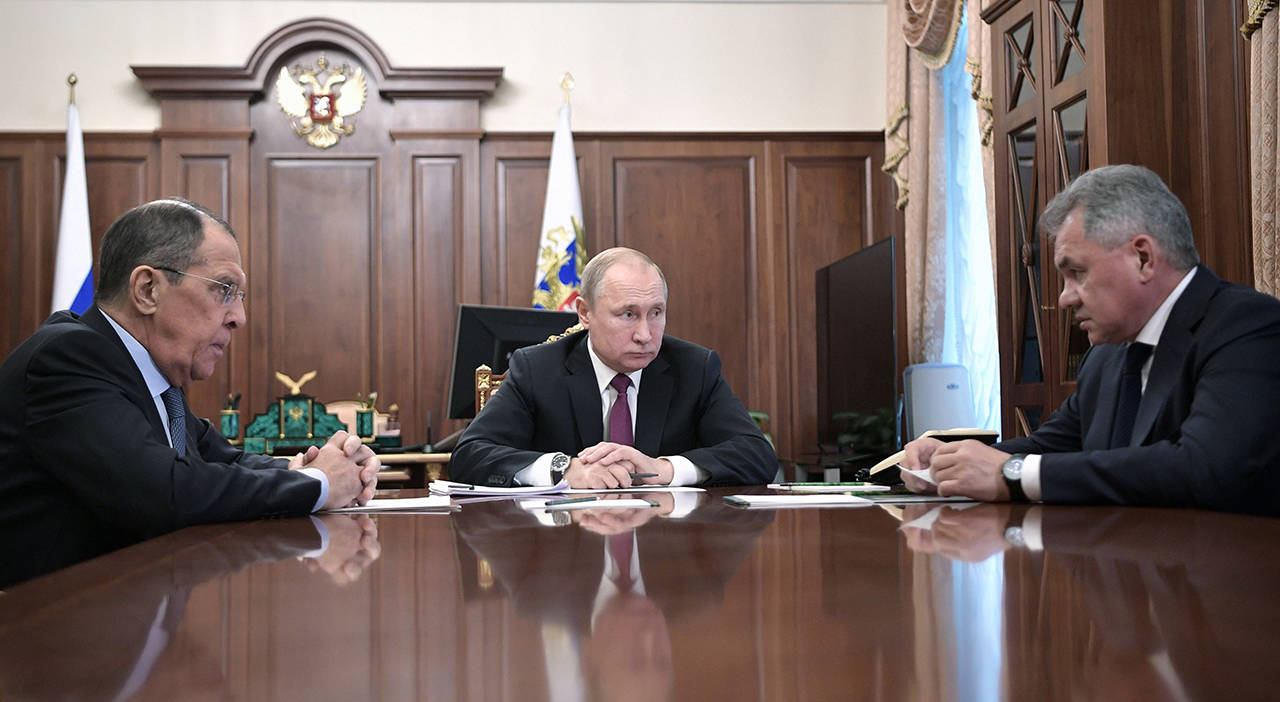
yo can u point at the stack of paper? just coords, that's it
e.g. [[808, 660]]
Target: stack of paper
[[786, 501], [828, 487], [586, 503], [449, 487]]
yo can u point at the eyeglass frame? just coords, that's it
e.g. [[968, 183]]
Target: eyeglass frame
[[230, 291]]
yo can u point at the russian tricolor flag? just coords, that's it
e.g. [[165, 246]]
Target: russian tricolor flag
[[73, 271]]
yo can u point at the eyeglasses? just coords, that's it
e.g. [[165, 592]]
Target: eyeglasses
[[230, 291]]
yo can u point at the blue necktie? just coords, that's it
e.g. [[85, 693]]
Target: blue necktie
[[1130, 394], [177, 419]]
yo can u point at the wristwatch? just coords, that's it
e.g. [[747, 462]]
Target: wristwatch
[[559, 464], [1012, 472]]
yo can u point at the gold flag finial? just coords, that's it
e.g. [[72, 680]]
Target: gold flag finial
[[566, 84], [71, 82]]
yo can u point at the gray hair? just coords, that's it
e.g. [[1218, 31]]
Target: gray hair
[[1119, 202], [593, 272], [162, 233]]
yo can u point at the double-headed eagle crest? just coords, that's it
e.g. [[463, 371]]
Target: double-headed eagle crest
[[320, 114]]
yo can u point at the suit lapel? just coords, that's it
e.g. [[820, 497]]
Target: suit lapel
[[136, 388], [657, 387], [1175, 343], [584, 395]]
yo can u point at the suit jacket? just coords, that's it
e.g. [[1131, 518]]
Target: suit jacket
[[1206, 432], [86, 466], [550, 402]]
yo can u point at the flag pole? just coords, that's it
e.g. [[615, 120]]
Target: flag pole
[[71, 82]]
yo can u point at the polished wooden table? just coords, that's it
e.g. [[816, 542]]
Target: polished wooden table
[[491, 603]]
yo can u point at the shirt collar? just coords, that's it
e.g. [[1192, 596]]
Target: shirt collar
[[1150, 333], [604, 374], [151, 375]]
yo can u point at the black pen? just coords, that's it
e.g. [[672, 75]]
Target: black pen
[[637, 476], [569, 500]]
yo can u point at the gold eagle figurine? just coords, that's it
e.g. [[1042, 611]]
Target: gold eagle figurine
[[295, 387]]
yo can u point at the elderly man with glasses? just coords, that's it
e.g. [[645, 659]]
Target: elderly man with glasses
[[98, 448]]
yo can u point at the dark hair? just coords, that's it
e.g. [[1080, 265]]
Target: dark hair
[[162, 233], [593, 272], [1119, 202]]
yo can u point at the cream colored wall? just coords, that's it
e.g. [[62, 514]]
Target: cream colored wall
[[639, 66]]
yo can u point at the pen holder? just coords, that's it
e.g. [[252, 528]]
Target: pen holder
[[230, 424], [364, 423]]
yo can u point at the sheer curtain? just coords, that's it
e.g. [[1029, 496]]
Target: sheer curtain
[[939, 153]]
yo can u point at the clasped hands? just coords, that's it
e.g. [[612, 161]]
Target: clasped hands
[[968, 468], [350, 465], [608, 465]]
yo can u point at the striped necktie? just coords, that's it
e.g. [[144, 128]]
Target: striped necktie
[[177, 419]]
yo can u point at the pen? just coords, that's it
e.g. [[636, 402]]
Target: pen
[[637, 476], [569, 500]]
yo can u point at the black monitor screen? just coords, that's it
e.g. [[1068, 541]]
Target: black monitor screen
[[489, 335], [857, 347]]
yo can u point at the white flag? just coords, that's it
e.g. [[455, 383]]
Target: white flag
[[562, 251], [73, 269]]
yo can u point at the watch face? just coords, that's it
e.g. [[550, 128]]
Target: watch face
[[1012, 469], [559, 462]]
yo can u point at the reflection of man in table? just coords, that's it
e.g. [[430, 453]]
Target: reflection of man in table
[[606, 586], [126, 636], [1179, 603]]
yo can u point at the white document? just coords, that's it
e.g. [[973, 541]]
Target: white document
[[787, 501], [624, 503], [834, 488], [634, 488], [449, 487], [434, 503]]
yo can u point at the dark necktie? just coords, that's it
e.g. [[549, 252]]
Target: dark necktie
[[177, 419], [620, 414], [620, 547], [1130, 393]]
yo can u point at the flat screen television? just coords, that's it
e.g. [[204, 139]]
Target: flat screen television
[[488, 334], [857, 338]]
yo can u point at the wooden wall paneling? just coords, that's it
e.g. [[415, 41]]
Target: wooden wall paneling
[[21, 203], [214, 171], [513, 193], [441, 179], [1210, 106], [322, 232], [824, 207], [694, 207]]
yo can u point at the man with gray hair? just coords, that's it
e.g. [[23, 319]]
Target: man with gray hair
[[1176, 400], [98, 448], [617, 403]]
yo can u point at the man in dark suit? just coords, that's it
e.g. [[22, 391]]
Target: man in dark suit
[[550, 418], [98, 448], [1176, 400]]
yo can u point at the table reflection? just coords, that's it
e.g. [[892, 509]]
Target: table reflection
[[603, 584], [128, 633], [1120, 603]]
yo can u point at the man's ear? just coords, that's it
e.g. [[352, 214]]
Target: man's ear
[[1144, 248], [144, 292], [580, 306]]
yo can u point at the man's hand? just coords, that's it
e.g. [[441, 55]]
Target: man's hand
[[918, 453], [612, 457], [350, 466], [353, 545], [970, 468]]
